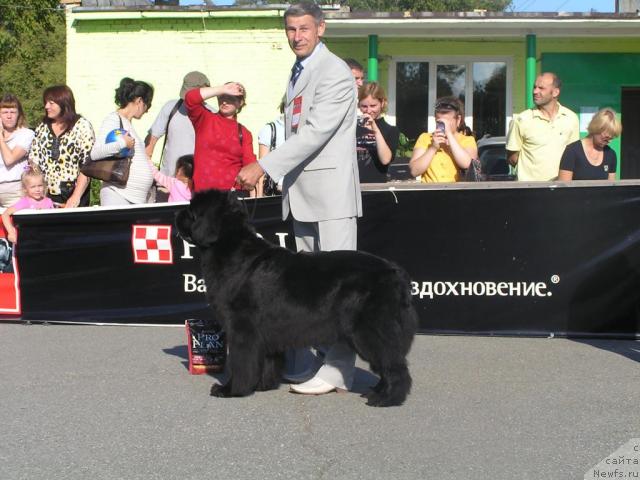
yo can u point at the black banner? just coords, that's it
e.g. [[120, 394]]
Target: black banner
[[484, 258]]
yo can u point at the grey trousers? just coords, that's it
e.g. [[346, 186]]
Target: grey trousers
[[341, 234]]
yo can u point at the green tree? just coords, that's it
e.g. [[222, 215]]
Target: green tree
[[32, 50], [428, 5], [406, 5]]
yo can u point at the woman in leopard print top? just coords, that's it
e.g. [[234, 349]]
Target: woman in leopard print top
[[62, 142]]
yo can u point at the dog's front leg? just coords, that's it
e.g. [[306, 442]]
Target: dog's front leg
[[222, 391], [244, 367]]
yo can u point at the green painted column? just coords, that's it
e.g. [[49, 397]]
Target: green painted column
[[530, 70], [372, 67]]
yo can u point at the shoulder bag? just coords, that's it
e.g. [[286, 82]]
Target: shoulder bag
[[474, 172], [175, 108], [269, 186], [111, 169]]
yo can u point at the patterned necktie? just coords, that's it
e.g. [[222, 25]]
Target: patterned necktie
[[295, 72]]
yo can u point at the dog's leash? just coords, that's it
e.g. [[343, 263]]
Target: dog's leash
[[251, 214]]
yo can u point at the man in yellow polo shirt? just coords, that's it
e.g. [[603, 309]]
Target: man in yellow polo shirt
[[538, 136]]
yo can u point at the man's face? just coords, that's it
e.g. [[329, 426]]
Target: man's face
[[358, 76], [303, 34], [544, 92]]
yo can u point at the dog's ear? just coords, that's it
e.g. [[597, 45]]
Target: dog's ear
[[201, 221], [183, 221], [234, 206]]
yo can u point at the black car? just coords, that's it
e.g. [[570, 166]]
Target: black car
[[493, 158]]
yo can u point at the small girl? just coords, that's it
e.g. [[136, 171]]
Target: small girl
[[179, 186], [34, 188]]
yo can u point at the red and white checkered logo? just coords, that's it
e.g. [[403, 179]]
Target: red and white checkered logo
[[152, 244]]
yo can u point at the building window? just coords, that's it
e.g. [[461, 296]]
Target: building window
[[483, 85], [489, 98], [413, 81], [451, 81]]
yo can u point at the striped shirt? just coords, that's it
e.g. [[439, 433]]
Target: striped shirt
[[140, 177]]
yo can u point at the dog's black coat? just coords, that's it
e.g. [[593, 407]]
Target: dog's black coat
[[269, 299]]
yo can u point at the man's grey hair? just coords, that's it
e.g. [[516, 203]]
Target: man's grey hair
[[305, 8]]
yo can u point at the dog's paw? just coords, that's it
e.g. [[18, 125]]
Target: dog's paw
[[220, 391], [373, 399], [264, 387], [379, 387], [381, 400]]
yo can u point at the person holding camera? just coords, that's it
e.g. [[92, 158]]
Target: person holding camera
[[442, 155], [376, 140]]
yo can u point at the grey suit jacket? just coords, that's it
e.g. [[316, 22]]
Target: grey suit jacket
[[318, 159]]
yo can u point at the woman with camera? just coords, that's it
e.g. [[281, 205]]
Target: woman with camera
[[441, 156], [376, 140]]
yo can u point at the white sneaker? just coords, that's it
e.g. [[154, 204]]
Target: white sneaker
[[299, 377], [315, 386]]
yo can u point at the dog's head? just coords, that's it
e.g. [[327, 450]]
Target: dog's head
[[211, 215]]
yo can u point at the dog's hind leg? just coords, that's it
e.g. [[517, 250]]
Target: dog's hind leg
[[385, 344], [381, 385], [395, 384]]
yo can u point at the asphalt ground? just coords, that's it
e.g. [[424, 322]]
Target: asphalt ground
[[87, 402]]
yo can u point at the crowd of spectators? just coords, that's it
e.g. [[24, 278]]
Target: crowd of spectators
[[206, 148]]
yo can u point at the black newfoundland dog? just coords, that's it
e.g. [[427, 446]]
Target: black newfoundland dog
[[269, 299]]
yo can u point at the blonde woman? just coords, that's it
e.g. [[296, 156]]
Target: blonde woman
[[376, 140], [15, 143], [591, 158]]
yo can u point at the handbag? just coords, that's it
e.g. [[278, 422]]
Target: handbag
[[112, 169], [269, 186], [474, 172]]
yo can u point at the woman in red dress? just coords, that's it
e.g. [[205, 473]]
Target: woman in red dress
[[223, 146]]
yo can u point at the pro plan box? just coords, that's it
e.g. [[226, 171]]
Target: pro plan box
[[207, 346]]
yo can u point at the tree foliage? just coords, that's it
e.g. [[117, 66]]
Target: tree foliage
[[405, 5], [32, 50], [428, 5]]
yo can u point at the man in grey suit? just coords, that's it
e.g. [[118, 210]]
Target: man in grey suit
[[317, 164]]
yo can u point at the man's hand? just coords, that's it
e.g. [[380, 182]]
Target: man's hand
[[249, 175]]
